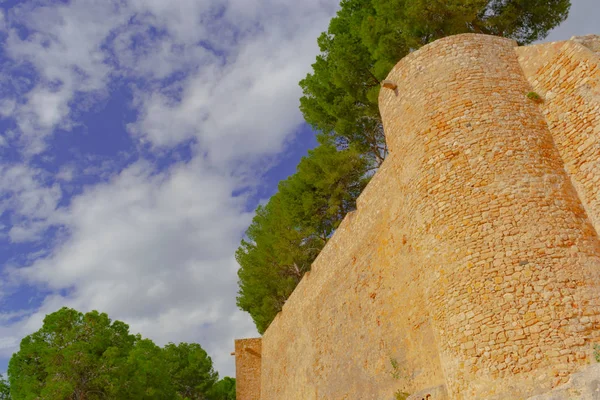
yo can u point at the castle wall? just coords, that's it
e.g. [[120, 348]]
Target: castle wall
[[471, 268], [568, 79], [357, 326]]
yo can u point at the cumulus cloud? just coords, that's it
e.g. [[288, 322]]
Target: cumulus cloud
[[245, 94], [217, 102], [63, 47], [30, 198], [150, 246], [148, 249]]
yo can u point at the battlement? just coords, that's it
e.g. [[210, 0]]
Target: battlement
[[471, 268]]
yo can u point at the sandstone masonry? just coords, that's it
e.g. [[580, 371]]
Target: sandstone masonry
[[471, 268], [248, 367]]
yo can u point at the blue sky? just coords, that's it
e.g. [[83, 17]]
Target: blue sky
[[136, 139]]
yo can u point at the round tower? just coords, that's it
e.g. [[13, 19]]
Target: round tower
[[511, 262]]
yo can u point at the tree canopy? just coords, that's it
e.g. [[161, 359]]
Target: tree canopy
[[4, 389], [224, 389], [288, 232], [363, 42], [88, 356], [368, 37], [190, 369]]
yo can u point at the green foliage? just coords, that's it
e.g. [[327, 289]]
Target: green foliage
[[597, 352], [367, 38], [340, 96], [401, 395], [289, 231], [4, 389], [223, 389], [534, 96], [145, 374], [89, 356], [272, 261], [420, 22], [72, 354], [395, 368], [323, 189], [190, 369]]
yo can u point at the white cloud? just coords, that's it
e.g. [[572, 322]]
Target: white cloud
[[250, 105], [44, 109], [31, 201], [8, 342], [64, 48], [66, 173], [185, 20], [7, 107], [154, 249], [248, 57]]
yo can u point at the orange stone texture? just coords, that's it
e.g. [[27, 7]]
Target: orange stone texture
[[471, 268], [247, 368]]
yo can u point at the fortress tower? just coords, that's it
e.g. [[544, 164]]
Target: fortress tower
[[471, 268]]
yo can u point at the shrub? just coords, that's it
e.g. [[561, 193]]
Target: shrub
[[401, 395], [535, 97], [395, 368]]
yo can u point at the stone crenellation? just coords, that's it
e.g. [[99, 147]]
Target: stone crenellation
[[471, 268]]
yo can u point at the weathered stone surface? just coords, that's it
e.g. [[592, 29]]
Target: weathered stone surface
[[568, 78], [434, 393], [592, 42], [247, 368], [583, 385], [473, 260]]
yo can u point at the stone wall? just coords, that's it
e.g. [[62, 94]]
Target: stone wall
[[568, 79], [247, 368], [582, 385], [471, 268]]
